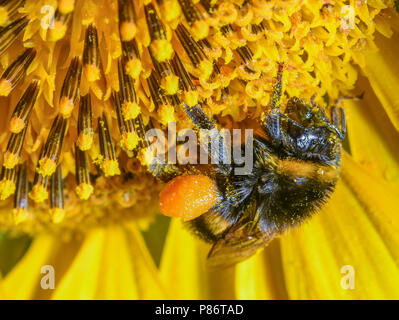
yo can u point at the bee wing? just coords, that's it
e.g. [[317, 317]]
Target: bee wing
[[238, 244]]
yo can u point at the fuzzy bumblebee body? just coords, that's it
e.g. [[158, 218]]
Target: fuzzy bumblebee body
[[296, 165]]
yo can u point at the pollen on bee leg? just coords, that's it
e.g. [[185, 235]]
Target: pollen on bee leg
[[7, 183], [51, 152], [57, 211], [15, 72], [20, 212], [84, 189], [188, 196], [70, 88], [109, 163]]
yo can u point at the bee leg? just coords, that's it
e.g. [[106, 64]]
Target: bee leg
[[202, 122], [163, 170], [336, 122]]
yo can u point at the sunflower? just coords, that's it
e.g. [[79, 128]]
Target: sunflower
[[80, 83]]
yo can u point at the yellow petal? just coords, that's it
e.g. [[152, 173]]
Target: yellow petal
[[374, 142], [183, 268], [382, 69], [343, 234], [261, 277]]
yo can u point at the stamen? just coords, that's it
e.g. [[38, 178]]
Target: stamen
[[66, 6], [129, 137], [170, 9], [85, 124], [84, 188], [7, 183], [130, 106], [160, 46], [190, 94], [8, 8], [70, 88], [60, 26], [20, 212], [127, 20], [91, 54], [132, 58], [39, 192], [51, 152], [14, 73], [10, 33], [194, 52], [109, 164], [169, 81], [21, 115], [12, 155], [57, 211], [194, 19]]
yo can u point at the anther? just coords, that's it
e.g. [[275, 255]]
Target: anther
[[132, 61], [190, 94], [170, 9], [85, 124], [169, 82], [194, 52], [12, 155], [84, 188], [127, 20], [7, 182], [8, 8], [51, 152], [10, 33], [57, 211], [194, 19], [160, 46], [66, 6], [109, 164], [130, 106], [91, 54], [21, 115], [70, 88], [14, 73], [39, 192], [20, 212], [59, 27]]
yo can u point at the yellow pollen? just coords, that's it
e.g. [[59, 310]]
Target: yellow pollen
[[84, 191], [7, 188], [129, 140], [58, 32], [16, 125], [133, 68], [161, 49], [200, 30], [92, 72], [205, 68], [190, 98], [3, 16], [20, 215], [66, 107], [255, 89], [128, 30], [10, 160], [170, 10], [85, 141], [46, 167], [166, 114], [57, 215], [145, 157], [66, 6], [110, 167], [170, 84], [39, 193], [5, 87], [130, 110]]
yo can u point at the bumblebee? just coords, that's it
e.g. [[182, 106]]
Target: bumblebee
[[296, 165]]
